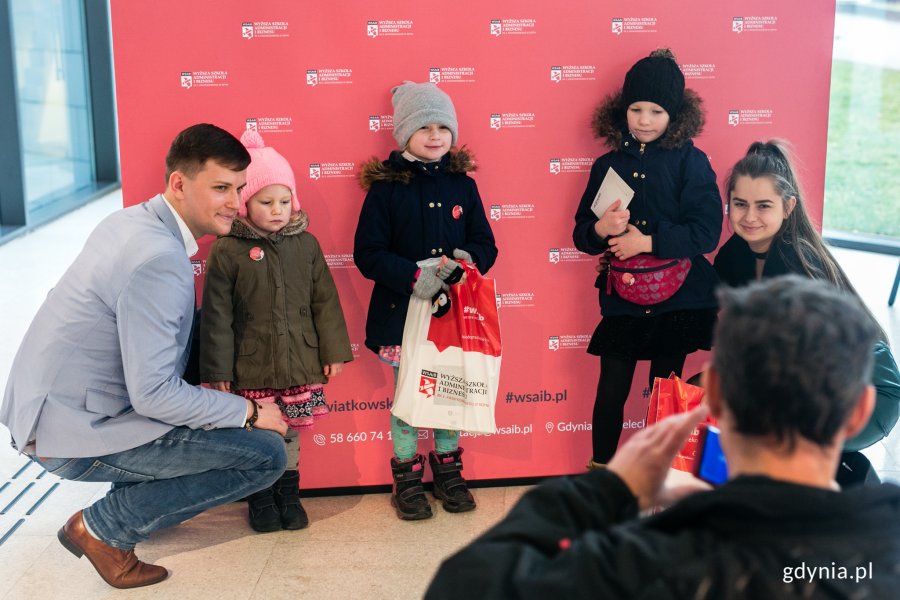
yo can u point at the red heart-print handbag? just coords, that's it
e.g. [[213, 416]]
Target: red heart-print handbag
[[645, 279]]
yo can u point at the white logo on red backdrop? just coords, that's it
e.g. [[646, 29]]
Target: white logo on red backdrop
[[381, 123], [389, 28], [517, 299], [751, 116], [438, 75], [264, 29], [269, 125], [513, 120], [192, 79], [199, 266], [339, 261], [582, 72], [553, 343], [499, 300], [634, 25], [754, 24], [328, 76], [512, 211], [699, 70], [331, 170], [568, 165], [513, 27], [568, 255]]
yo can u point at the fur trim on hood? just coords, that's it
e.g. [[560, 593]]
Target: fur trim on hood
[[391, 170], [298, 224], [609, 121]]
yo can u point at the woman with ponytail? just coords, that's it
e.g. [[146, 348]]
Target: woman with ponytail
[[773, 235]]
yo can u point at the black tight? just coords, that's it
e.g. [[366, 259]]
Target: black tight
[[612, 391]]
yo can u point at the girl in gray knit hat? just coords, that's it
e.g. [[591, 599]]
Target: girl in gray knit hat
[[420, 203]]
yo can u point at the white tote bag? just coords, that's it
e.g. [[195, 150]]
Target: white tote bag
[[450, 365]]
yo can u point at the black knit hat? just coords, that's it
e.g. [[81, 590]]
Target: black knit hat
[[656, 78]]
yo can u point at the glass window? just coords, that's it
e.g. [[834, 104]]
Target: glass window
[[53, 98], [862, 177]]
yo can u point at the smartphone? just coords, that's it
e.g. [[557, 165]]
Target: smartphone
[[710, 465]]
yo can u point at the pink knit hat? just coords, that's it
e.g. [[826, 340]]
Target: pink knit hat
[[267, 167]]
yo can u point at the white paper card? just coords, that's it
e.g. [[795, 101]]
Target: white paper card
[[612, 188]]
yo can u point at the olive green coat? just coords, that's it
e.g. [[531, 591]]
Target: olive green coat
[[273, 322]]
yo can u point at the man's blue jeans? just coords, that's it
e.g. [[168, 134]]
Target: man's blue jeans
[[173, 478]]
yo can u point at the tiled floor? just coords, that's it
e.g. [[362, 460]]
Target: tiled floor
[[354, 547]]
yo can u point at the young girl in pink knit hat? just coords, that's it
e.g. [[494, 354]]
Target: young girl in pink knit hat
[[272, 328]]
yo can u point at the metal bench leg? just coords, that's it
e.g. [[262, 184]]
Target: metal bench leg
[[894, 288]]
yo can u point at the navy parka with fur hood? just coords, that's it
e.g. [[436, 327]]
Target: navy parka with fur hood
[[676, 201], [414, 211]]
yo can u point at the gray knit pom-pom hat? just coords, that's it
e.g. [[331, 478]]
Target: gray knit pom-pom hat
[[417, 105]]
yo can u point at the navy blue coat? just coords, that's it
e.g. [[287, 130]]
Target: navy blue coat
[[676, 201], [412, 212]]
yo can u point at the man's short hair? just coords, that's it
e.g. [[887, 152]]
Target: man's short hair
[[199, 143], [793, 356]]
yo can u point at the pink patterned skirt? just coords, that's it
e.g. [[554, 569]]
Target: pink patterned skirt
[[300, 405]]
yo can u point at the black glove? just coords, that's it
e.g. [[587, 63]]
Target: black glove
[[450, 272]]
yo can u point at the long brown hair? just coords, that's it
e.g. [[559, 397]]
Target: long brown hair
[[772, 159]]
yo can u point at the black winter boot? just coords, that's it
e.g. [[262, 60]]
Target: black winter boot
[[409, 495], [449, 486], [287, 499], [264, 515]]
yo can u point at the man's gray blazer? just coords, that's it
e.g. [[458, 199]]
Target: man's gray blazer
[[99, 370]]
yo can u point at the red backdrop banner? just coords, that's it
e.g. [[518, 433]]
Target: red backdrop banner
[[314, 79]]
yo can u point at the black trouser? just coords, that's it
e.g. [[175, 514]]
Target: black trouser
[[616, 374]]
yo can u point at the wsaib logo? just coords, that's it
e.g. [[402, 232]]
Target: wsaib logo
[[247, 31], [427, 383], [187, 80]]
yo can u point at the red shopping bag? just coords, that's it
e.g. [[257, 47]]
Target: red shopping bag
[[472, 322], [673, 396]]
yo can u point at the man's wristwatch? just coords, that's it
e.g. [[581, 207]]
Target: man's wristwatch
[[251, 420]]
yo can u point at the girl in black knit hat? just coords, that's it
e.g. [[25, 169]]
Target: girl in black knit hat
[[676, 213]]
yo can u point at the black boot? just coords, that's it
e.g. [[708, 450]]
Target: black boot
[[409, 495], [287, 498], [264, 515], [449, 486]]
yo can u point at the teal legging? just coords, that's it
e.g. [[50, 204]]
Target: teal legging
[[406, 437]]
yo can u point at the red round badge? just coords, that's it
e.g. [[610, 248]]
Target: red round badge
[[457, 211], [256, 253]]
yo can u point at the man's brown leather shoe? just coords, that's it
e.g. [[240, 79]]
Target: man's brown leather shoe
[[119, 568]]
